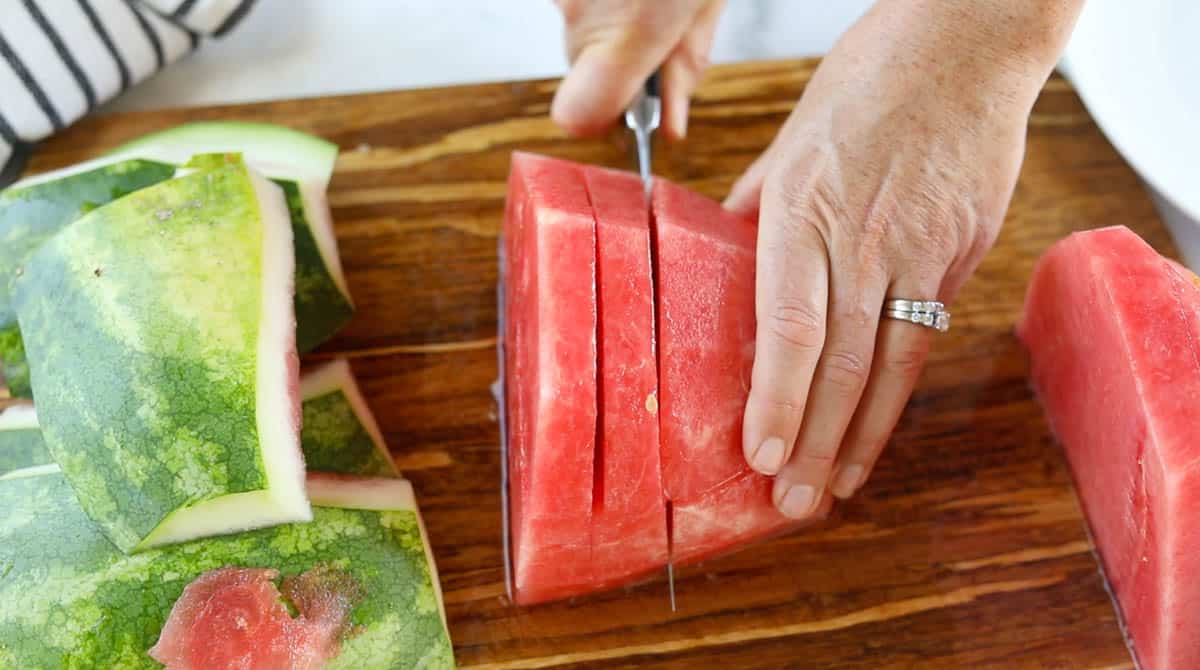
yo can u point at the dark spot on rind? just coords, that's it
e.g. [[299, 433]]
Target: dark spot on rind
[[98, 271]]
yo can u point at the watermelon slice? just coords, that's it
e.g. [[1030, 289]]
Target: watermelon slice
[[629, 522], [550, 349], [21, 444], [339, 432], [70, 599], [1113, 334], [706, 258], [166, 372], [32, 211]]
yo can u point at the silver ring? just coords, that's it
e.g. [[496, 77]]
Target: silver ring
[[928, 313]]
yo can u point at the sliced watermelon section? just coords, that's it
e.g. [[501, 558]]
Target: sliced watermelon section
[[166, 372], [1113, 334], [550, 368], [70, 599], [339, 432], [21, 444], [629, 522], [34, 210]]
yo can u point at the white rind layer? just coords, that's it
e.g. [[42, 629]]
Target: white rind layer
[[19, 417]]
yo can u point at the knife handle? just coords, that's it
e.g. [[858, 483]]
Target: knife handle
[[651, 88]]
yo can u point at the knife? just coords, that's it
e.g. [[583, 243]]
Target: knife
[[642, 117]]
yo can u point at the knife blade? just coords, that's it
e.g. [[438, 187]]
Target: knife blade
[[643, 117]]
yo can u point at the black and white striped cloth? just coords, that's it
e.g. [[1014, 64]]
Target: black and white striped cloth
[[59, 59]]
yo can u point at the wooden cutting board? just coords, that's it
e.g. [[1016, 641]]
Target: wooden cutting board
[[965, 550]]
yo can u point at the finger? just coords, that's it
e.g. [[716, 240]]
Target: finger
[[841, 375], [900, 353], [744, 197], [685, 67], [614, 57], [792, 285]]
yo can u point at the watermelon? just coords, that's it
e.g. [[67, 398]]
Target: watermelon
[[629, 519], [302, 166], [69, 599], [550, 368], [1113, 335], [160, 337], [32, 211], [236, 618], [705, 282], [339, 433], [21, 444]]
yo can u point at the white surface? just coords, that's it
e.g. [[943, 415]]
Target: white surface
[[1136, 66], [301, 48]]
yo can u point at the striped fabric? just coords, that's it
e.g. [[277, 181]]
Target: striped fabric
[[59, 59]]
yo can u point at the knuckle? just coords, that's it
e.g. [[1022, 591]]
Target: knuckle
[[844, 371], [797, 324]]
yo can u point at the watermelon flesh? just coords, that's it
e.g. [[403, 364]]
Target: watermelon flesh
[[1113, 334], [235, 618], [550, 350], [629, 524], [624, 383]]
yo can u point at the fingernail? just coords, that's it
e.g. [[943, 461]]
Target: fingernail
[[679, 118], [798, 501], [768, 458], [848, 480]]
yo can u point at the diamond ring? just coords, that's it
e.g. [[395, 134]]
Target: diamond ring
[[928, 313]]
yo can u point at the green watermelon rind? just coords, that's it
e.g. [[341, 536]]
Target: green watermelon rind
[[339, 432], [162, 369], [70, 600], [21, 444]]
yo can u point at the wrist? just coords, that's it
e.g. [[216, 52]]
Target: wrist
[[1007, 46]]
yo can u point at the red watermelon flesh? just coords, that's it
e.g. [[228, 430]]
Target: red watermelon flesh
[[235, 618], [550, 365], [1113, 333], [706, 338], [629, 524]]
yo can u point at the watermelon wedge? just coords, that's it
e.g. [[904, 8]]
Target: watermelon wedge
[[21, 444], [1113, 334], [338, 431], [550, 350], [69, 599], [166, 373], [629, 522]]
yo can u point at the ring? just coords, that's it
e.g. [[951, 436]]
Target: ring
[[928, 313]]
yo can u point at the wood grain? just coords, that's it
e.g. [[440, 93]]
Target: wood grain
[[965, 550]]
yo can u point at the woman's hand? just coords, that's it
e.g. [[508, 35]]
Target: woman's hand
[[889, 180], [615, 45]]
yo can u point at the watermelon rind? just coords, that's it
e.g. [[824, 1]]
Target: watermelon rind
[[69, 599], [338, 431], [21, 443], [274, 150], [160, 336], [31, 213]]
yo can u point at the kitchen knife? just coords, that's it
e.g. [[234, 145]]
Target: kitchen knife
[[643, 117]]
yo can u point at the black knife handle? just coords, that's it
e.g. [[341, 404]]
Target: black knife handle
[[651, 88]]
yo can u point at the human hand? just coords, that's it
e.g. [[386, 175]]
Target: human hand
[[889, 180], [615, 45]]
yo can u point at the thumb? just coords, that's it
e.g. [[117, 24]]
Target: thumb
[[614, 53]]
